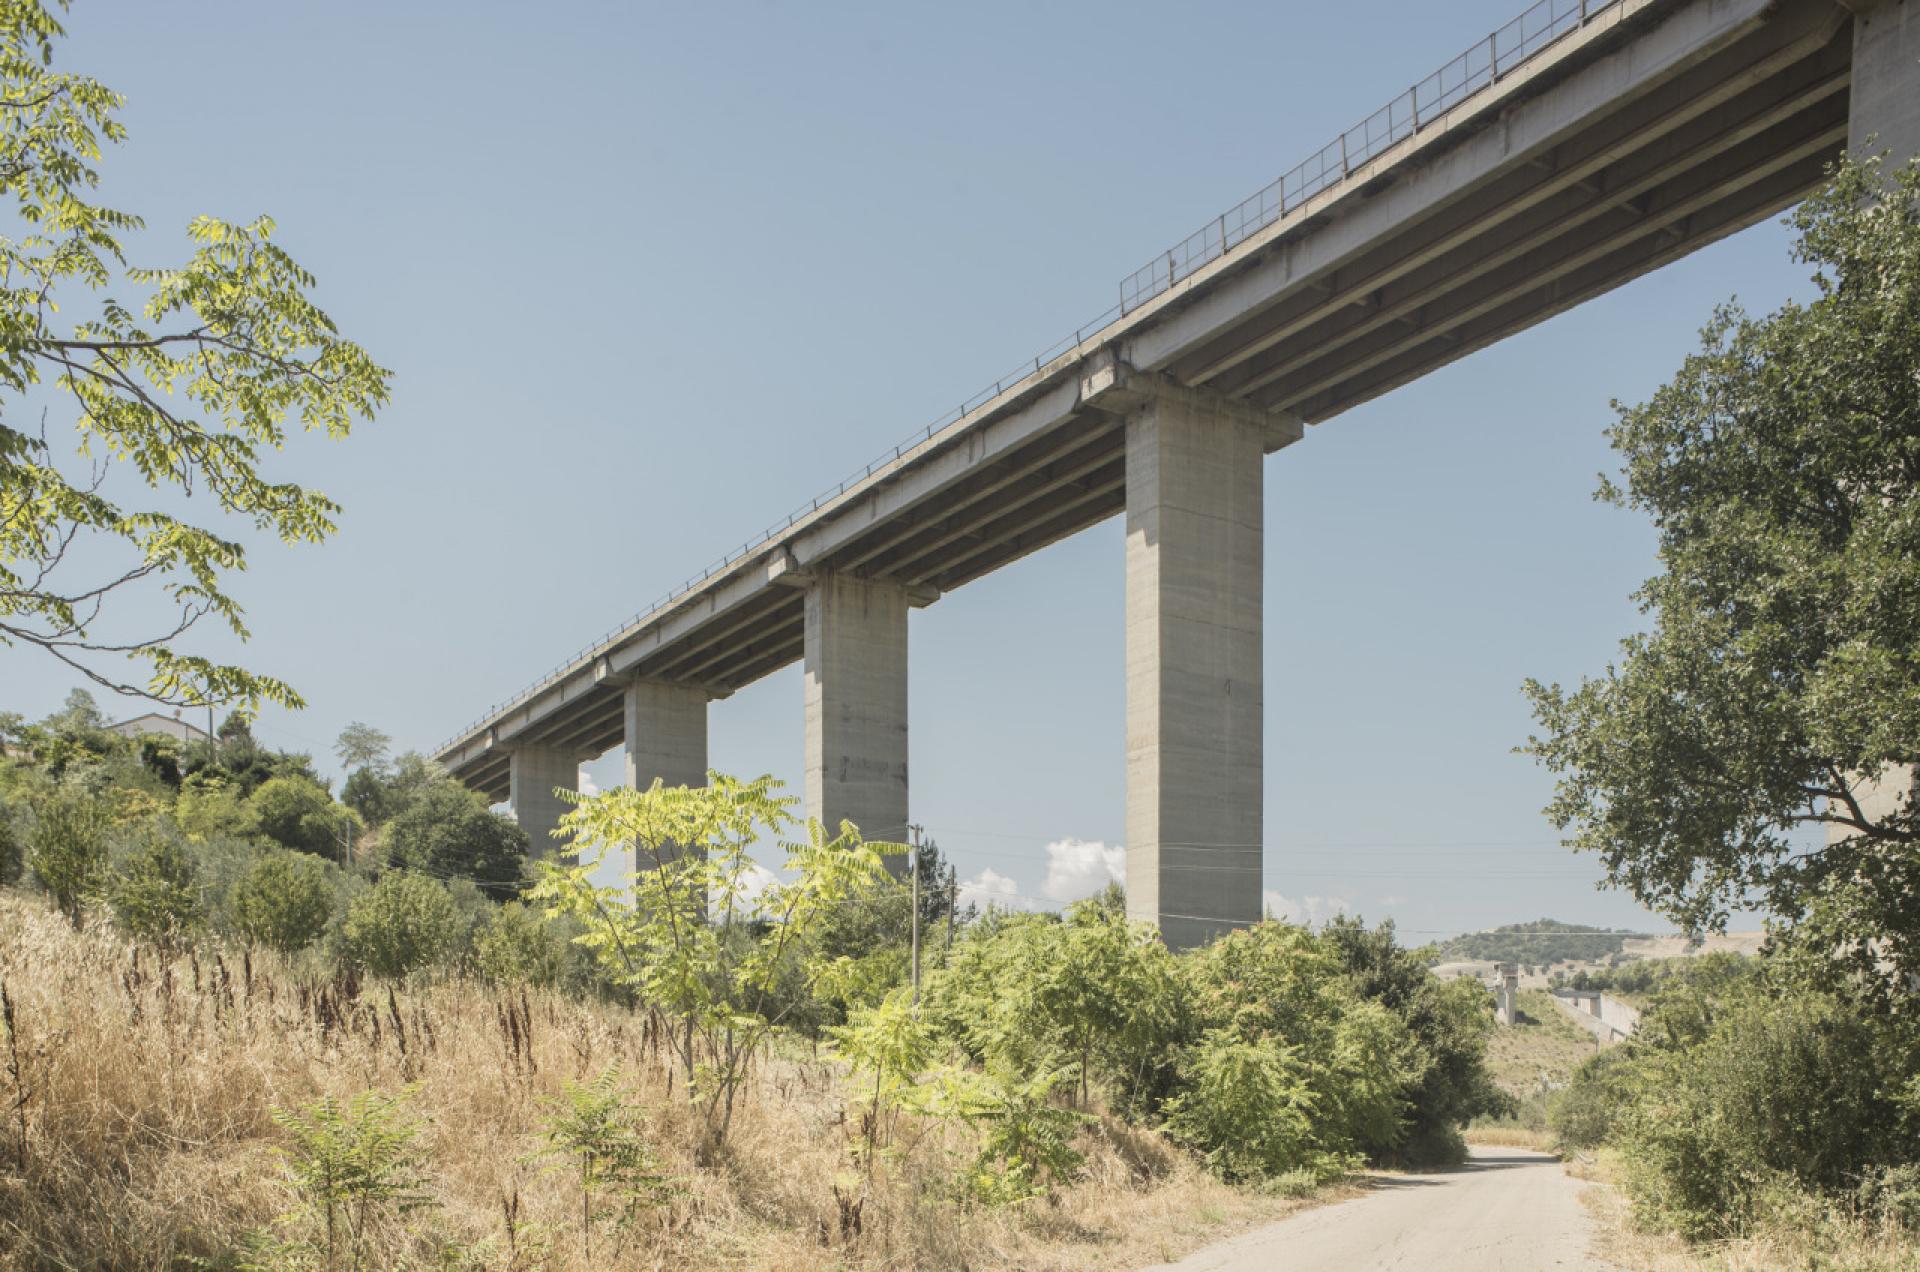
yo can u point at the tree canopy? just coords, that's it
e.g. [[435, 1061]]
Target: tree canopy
[[1782, 672], [180, 378]]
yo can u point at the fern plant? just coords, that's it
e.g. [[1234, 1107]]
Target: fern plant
[[353, 1163], [599, 1134]]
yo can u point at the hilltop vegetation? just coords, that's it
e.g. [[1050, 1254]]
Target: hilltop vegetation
[[1539, 943], [254, 1026]]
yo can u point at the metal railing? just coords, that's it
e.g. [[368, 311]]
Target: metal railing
[[1479, 68]]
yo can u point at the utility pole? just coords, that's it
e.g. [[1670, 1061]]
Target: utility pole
[[953, 903], [913, 863]]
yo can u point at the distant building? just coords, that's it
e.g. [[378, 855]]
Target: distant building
[[171, 726]]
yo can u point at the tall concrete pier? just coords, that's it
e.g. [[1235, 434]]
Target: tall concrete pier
[[856, 705], [1580, 146]]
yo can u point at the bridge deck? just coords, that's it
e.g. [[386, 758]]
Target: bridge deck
[[1649, 131]]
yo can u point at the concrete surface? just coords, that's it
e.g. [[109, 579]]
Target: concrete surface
[[1193, 662], [537, 771], [856, 706], [1507, 1210]]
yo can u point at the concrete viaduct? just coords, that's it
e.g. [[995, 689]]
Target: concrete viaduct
[[1579, 147]]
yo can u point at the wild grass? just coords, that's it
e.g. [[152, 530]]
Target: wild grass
[[150, 1100], [1800, 1231]]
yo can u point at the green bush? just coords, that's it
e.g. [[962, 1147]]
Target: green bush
[[68, 848], [12, 850], [517, 943], [1247, 1107], [153, 891], [1603, 1087], [296, 812], [403, 923], [284, 901], [1789, 1084], [448, 830]]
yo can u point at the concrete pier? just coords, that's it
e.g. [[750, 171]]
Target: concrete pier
[[666, 735], [537, 770], [1885, 104], [856, 705], [1193, 661]]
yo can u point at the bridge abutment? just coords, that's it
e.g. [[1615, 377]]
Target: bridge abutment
[[536, 769], [856, 706], [1193, 661]]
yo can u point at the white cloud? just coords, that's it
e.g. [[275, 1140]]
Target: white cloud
[[990, 887], [1079, 868], [1392, 901], [587, 785], [1309, 910]]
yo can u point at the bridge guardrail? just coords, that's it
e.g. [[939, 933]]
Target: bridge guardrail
[[1504, 50]]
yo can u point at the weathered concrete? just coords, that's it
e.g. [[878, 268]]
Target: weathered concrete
[[1506, 992], [856, 705], [537, 771], [1193, 662], [1884, 114], [666, 735], [1604, 1016]]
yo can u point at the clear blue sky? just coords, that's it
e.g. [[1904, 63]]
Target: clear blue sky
[[650, 275]]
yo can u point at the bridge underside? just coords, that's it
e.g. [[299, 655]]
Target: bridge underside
[[1728, 135]]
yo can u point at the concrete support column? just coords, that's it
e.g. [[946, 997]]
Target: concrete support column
[[1886, 79], [536, 770], [1194, 697], [666, 735], [856, 703]]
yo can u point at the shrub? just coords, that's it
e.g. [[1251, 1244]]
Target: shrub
[[1026, 1151], [283, 901], [12, 851], [153, 892], [296, 812], [448, 830], [209, 807], [1602, 1088], [1792, 1085], [404, 922], [1247, 1107], [68, 848]]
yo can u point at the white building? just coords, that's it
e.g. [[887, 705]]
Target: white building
[[171, 726]]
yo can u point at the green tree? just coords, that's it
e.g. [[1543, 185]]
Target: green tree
[[298, 813], [1780, 468], [403, 923], [284, 901], [447, 829], [181, 392], [693, 930], [361, 746]]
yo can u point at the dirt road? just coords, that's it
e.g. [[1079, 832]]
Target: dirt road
[[1506, 1210]]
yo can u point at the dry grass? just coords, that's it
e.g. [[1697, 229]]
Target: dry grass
[[149, 1139], [1497, 1135], [1817, 1238]]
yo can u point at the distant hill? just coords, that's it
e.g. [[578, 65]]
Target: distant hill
[[1540, 942]]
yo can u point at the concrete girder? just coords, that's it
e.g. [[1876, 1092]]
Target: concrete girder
[[1663, 106], [1763, 164], [1747, 208], [1685, 157], [1071, 440]]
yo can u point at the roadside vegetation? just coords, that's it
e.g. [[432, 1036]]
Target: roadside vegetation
[[250, 1025], [1537, 944], [1771, 1105]]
